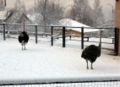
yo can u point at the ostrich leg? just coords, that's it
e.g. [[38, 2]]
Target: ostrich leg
[[91, 65], [87, 64], [22, 45]]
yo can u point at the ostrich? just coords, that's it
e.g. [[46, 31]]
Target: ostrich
[[23, 39], [91, 53]]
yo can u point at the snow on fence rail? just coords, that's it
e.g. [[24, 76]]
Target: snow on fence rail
[[93, 81]]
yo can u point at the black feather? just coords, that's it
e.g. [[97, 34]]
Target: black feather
[[23, 38], [91, 53]]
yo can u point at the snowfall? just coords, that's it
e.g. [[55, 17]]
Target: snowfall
[[42, 61]]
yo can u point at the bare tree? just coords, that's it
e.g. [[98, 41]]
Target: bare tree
[[54, 13], [19, 6], [50, 11], [98, 16], [41, 7], [82, 12], [2, 4], [80, 6], [71, 13], [99, 20], [16, 12]]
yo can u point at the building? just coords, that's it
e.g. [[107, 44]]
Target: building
[[75, 29], [17, 18], [117, 45]]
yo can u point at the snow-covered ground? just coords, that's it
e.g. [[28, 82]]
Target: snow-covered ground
[[41, 61]]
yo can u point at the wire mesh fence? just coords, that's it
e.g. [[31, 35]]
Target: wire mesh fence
[[97, 81], [69, 84], [55, 32], [93, 84]]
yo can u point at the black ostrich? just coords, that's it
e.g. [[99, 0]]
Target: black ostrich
[[23, 39], [91, 53]]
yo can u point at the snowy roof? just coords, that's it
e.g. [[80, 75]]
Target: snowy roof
[[17, 17], [35, 18], [73, 23], [3, 15]]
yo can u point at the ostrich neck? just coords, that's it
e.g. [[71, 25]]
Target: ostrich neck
[[100, 38]]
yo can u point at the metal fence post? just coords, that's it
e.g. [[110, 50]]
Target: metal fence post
[[63, 37], [82, 38], [51, 35], [4, 38], [36, 33]]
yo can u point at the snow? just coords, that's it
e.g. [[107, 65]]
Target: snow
[[72, 23], [34, 17], [3, 15], [42, 61]]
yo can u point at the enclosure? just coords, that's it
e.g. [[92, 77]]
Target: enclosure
[[53, 59]]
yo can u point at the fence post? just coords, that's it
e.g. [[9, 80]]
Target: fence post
[[116, 38], [82, 38], [63, 37], [36, 33], [51, 35], [4, 32]]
